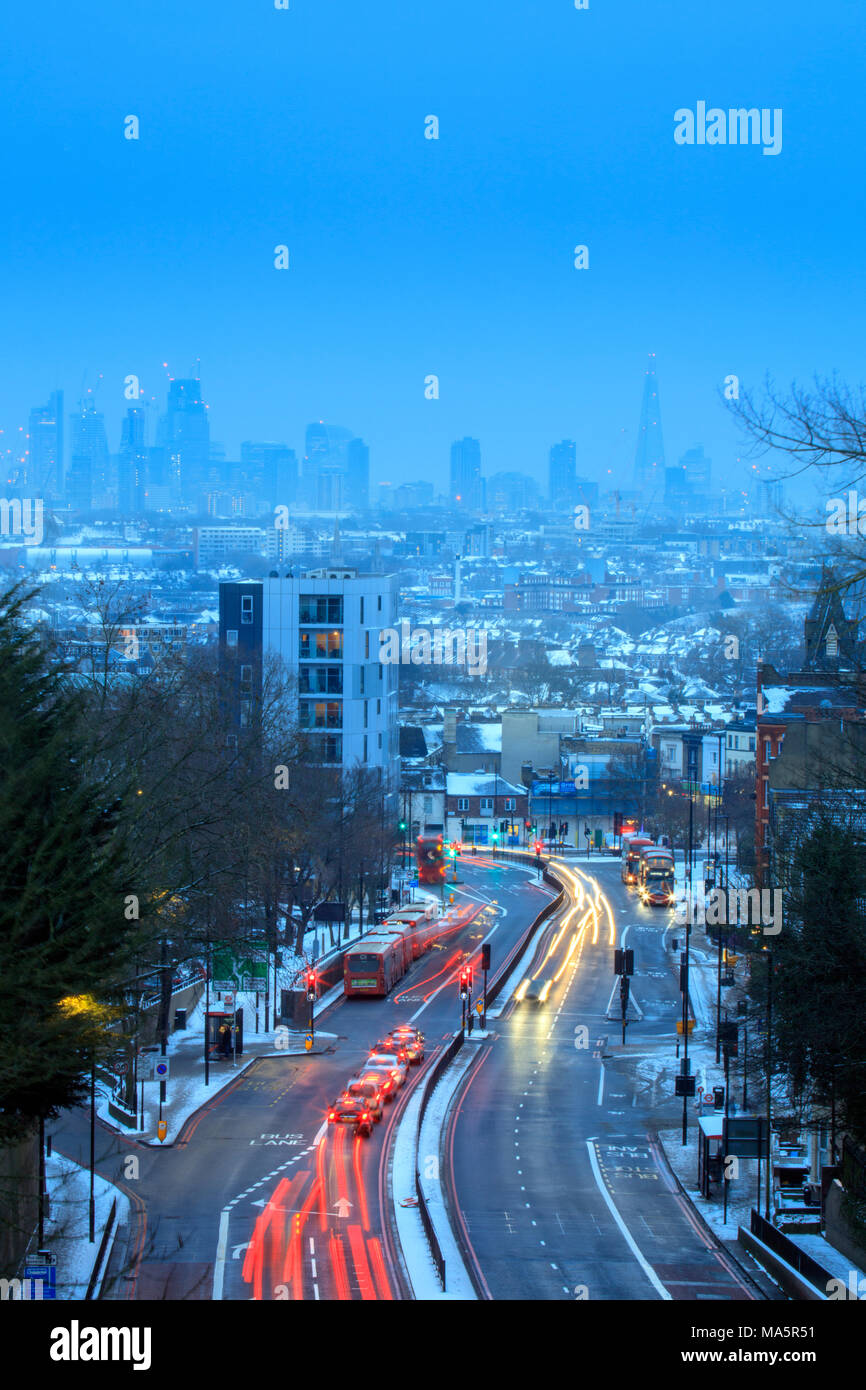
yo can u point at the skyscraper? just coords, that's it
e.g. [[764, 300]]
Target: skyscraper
[[270, 472], [325, 466], [357, 490], [649, 459], [88, 476], [562, 473], [466, 482], [184, 433], [45, 462], [132, 462]]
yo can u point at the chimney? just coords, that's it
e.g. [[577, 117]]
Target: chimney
[[449, 734]]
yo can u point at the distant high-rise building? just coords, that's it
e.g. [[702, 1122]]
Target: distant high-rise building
[[45, 460], [689, 484], [561, 473], [649, 459], [184, 433], [325, 466], [270, 472], [357, 486], [410, 495], [586, 492], [132, 462], [511, 492], [88, 476], [467, 487]]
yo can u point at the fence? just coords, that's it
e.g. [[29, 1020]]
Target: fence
[[100, 1254], [789, 1251]]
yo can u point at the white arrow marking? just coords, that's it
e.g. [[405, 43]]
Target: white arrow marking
[[236, 1252]]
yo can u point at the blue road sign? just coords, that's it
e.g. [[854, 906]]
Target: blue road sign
[[48, 1276]]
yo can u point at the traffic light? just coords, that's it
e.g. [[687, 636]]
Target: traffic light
[[617, 822], [465, 982], [623, 962], [496, 837], [402, 827], [311, 985], [485, 956], [538, 847]]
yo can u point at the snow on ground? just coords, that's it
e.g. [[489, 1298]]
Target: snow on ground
[[828, 1257], [67, 1229], [742, 1194]]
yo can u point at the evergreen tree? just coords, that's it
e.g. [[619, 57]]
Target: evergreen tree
[[63, 930], [819, 975]]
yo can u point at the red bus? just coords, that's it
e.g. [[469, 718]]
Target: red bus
[[401, 935], [657, 879], [420, 924], [630, 861], [430, 858], [373, 966]]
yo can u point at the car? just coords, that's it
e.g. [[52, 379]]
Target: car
[[393, 1047], [388, 1064], [533, 991], [351, 1110], [368, 1090], [412, 1039], [383, 1079]]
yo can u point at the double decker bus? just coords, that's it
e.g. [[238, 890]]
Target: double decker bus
[[657, 885], [373, 966], [630, 860], [430, 858]]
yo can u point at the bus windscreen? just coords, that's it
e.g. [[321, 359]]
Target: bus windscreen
[[361, 964]]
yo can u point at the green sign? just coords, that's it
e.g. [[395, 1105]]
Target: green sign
[[239, 968]]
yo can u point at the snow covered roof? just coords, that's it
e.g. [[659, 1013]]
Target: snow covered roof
[[781, 698], [481, 784], [479, 738]]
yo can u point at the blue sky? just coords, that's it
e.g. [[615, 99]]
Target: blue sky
[[409, 256]]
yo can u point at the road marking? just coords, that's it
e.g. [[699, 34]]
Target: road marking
[[627, 1236], [222, 1243], [600, 1083]]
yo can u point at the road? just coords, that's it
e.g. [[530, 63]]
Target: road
[[250, 1202], [559, 1185]]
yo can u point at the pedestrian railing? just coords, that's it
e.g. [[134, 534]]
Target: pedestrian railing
[[789, 1251]]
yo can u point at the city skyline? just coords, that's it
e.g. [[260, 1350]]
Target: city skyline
[[563, 137]]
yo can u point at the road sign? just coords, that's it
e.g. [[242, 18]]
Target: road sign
[[308, 1042], [161, 1069], [480, 1006], [161, 1129], [47, 1274], [121, 1068], [691, 1025]]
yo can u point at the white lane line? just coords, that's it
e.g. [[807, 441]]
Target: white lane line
[[222, 1244], [644, 1264], [600, 1082]]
